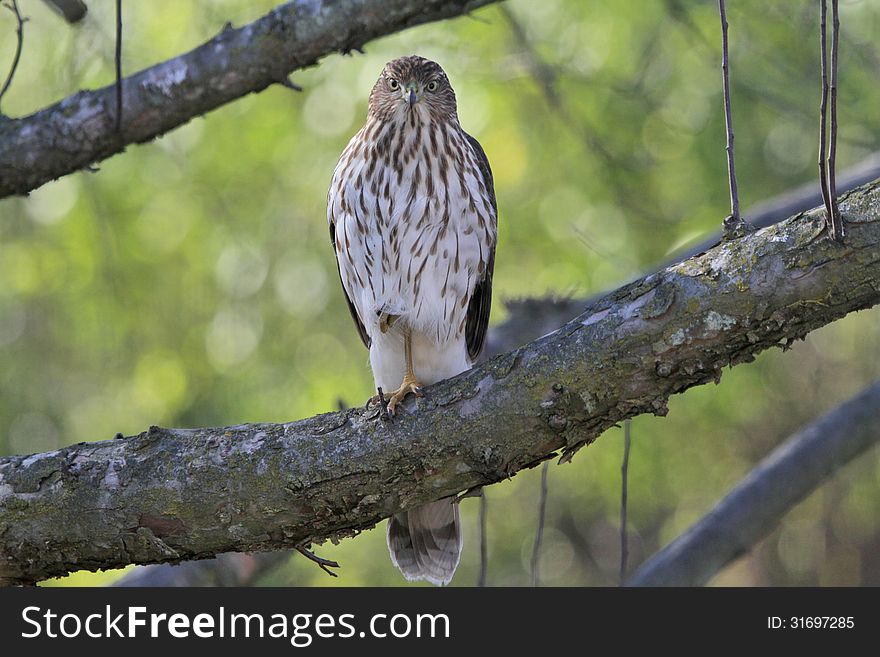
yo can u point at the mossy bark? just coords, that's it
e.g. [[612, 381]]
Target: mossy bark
[[81, 129], [168, 495]]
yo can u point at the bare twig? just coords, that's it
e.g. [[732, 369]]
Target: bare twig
[[324, 564], [484, 546], [823, 110], [734, 220], [624, 474], [826, 166], [754, 508], [19, 30], [118, 60], [837, 230], [539, 535]]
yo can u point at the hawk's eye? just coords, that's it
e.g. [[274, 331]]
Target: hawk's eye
[[393, 84], [432, 85]]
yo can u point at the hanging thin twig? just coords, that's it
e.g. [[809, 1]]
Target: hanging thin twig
[[539, 535], [13, 7], [484, 547], [118, 65], [733, 221], [624, 476]]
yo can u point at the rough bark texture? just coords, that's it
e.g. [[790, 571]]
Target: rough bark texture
[[756, 505], [81, 129], [175, 494]]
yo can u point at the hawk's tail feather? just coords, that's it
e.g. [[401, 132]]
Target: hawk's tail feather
[[425, 542]]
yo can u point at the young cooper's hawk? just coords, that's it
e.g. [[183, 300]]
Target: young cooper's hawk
[[413, 221]]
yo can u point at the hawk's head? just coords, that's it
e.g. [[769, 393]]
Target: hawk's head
[[416, 86]]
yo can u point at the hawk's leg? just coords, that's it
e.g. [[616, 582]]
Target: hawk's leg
[[410, 384]]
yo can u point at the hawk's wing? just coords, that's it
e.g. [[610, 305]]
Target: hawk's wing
[[362, 331], [481, 301]]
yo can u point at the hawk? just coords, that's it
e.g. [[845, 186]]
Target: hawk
[[413, 222]]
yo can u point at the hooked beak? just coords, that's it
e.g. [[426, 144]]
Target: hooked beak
[[409, 94]]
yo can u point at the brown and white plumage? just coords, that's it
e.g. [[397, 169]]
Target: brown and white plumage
[[413, 222]]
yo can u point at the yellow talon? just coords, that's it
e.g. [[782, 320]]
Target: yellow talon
[[409, 385]]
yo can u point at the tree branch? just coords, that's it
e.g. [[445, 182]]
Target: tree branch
[[169, 495], [80, 130], [753, 509]]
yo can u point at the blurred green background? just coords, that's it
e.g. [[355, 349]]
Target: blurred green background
[[190, 281]]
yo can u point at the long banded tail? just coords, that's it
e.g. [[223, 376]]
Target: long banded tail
[[425, 542]]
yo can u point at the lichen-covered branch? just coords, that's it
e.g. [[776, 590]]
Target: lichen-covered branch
[[753, 509], [81, 129], [168, 495]]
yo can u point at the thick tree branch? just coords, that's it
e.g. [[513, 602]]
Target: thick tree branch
[[168, 495], [81, 130], [753, 509]]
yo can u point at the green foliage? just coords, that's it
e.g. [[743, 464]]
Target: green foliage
[[190, 281]]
